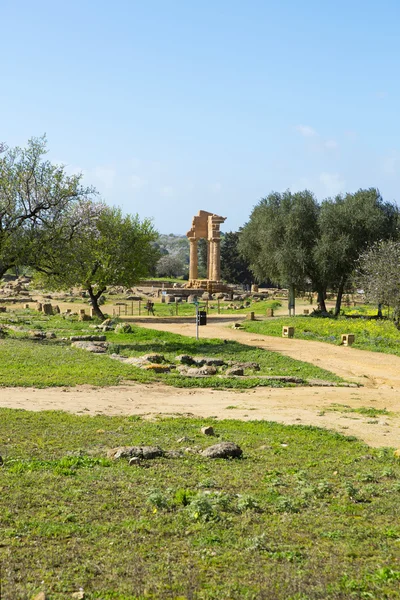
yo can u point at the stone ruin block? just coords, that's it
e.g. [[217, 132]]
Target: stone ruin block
[[47, 309], [348, 339], [287, 331], [269, 312]]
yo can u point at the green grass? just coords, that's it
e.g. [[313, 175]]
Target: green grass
[[185, 309], [26, 362], [305, 514], [377, 336]]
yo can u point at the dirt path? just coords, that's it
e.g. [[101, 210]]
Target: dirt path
[[380, 374]]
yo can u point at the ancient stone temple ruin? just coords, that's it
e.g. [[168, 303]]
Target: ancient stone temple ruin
[[206, 225]]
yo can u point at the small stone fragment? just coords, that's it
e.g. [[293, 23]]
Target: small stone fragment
[[40, 596], [223, 450], [208, 430], [201, 372], [134, 461], [78, 595], [184, 359], [235, 371], [154, 358]]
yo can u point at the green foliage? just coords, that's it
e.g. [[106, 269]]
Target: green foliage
[[234, 268], [311, 520], [37, 200], [374, 335], [379, 274], [45, 363]]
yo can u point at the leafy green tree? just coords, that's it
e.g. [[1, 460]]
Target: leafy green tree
[[378, 274], [107, 249], [349, 225], [279, 239], [170, 266], [35, 195], [234, 267]]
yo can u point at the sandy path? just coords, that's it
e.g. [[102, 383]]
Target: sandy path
[[307, 406]]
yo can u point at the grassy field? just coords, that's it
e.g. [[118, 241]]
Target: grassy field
[[41, 363], [378, 336], [305, 514]]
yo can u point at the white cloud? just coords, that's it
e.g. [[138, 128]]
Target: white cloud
[[333, 183], [317, 142], [137, 182], [306, 131]]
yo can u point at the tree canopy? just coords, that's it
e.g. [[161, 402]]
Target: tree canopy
[[35, 197], [297, 242], [234, 267], [107, 248]]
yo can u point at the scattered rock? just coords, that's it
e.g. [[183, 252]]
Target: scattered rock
[[236, 371], [145, 452], [50, 335], [154, 358], [201, 372], [244, 365], [210, 362], [95, 347], [78, 595], [134, 461], [208, 430], [223, 450], [184, 359], [37, 335], [183, 439], [40, 596], [174, 453], [108, 323], [155, 368]]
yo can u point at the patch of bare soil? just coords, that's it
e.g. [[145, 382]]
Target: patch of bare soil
[[379, 373]]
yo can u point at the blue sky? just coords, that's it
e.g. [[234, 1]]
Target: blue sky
[[171, 106]]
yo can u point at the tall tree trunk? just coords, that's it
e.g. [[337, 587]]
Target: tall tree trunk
[[321, 300], [94, 298], [339, 296]]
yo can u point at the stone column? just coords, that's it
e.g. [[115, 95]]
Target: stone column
[[193, 259], [215, 248], [208, 259]]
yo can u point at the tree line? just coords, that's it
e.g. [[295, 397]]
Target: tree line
[[51, 222]]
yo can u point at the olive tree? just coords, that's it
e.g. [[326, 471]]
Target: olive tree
[[35, 196]]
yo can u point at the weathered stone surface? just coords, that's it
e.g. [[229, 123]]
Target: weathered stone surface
[[144, 452], [201, 372], [134, 461], [244, 365], [37, 335], [157, 368], [95, 347], [47, 309], [208, 430], [153, 358], [209, 361], [235, 371], [184, 359], [108, 323], [223, 450], [123, 328], [50, 335]]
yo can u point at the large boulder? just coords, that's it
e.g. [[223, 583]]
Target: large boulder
[[223, 450]]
